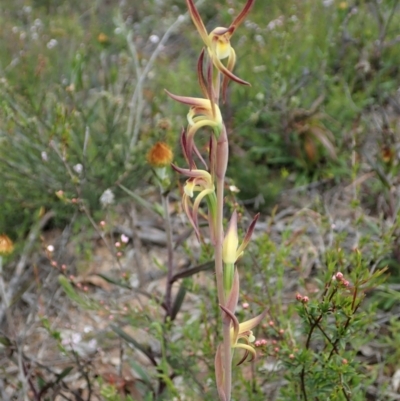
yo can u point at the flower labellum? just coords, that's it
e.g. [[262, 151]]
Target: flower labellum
[[243, 332]]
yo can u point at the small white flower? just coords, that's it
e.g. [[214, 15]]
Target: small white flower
[[259, 39], [154, 39], [50, 248], [51, 43], [78, 168], [124, 238], [260, 96], [259, 68], [107, 198], [45, 158]]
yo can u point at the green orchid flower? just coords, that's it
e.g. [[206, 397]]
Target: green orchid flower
[[241, 333], [202, 182], [218, 43], [202, 113]]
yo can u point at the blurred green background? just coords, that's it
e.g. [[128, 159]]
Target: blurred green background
[[76, 117]]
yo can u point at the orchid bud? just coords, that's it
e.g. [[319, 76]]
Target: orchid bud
[[231, 242], [229, 252]]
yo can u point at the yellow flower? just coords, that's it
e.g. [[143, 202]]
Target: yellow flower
[[218, 42], [160, 155], [6, 245]]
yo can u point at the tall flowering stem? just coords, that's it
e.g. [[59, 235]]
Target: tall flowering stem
[[205, 186]]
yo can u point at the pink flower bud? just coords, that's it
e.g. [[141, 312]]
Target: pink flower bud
[[339, 276]]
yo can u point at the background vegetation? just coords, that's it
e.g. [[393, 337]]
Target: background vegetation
[[314, 147]]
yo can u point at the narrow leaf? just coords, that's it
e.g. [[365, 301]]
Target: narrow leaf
[[180, 296], [192, 271], [135, 343], [141, 201], [73, 295]]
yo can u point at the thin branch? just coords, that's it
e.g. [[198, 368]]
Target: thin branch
[[19, 270]]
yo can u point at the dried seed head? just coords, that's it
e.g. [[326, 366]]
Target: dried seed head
[[160, 155], [6, 245], [164, 124], [102, 38]]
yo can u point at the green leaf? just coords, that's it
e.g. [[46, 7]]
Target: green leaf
[[63, 374], [192, 271], [111, 280], [73, 295], [132, 341], [141, 373], [142, 202], [5, 341]]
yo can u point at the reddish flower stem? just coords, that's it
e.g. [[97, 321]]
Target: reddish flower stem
[[220, 171]]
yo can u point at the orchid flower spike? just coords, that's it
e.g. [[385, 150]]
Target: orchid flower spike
[[218, 42]]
